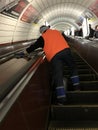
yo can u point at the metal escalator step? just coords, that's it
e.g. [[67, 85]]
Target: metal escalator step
[[74, 113], [79, 67], [81, 63], [85, 71], [84, 85], [83, 67], [78, 125], [89, 85], [73, 128], [91, 82], [88, 77], [80, 71], [80, 97]]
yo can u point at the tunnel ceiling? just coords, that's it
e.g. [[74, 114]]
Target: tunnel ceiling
[[60, 14]]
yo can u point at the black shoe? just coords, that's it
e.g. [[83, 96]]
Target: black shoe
[[62, 101]]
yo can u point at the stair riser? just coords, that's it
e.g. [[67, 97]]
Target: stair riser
[[75, 113], [87, 78], [80, 71], [89, 86], [82, 98]]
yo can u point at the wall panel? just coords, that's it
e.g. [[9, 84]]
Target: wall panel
[[7, 27], [13, 30]]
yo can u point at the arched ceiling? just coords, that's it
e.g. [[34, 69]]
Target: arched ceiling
[[62, 13]]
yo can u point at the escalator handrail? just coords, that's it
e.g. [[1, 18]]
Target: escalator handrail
[[13, 48]]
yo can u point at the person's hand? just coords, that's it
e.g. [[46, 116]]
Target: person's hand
[[24, 55]]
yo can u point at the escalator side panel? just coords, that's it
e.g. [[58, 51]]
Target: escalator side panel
[[30, 111]]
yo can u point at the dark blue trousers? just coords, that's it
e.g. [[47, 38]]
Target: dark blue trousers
[[58, 62]]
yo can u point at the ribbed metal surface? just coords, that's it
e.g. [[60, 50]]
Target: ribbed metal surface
[[73, 129], [61, 14]]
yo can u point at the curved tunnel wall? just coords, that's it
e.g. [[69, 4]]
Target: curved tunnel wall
[[30, 15], [12, 30]]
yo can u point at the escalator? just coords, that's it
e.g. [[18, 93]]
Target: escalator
[[81, 111], [24, 94]]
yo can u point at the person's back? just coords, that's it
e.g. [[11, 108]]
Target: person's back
[[54, 42]]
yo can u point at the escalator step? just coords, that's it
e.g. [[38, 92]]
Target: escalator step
[[74, 113], [81, 63], [88, 125], [89, 85], [88, 77], [83, 97], [73, 128], [83, 67], [80, 97], [80, 71]]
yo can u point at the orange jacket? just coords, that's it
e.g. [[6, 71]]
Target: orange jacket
[[53, 43]]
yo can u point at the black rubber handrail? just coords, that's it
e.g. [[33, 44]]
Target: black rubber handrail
[[7, 52], [10, 49]]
